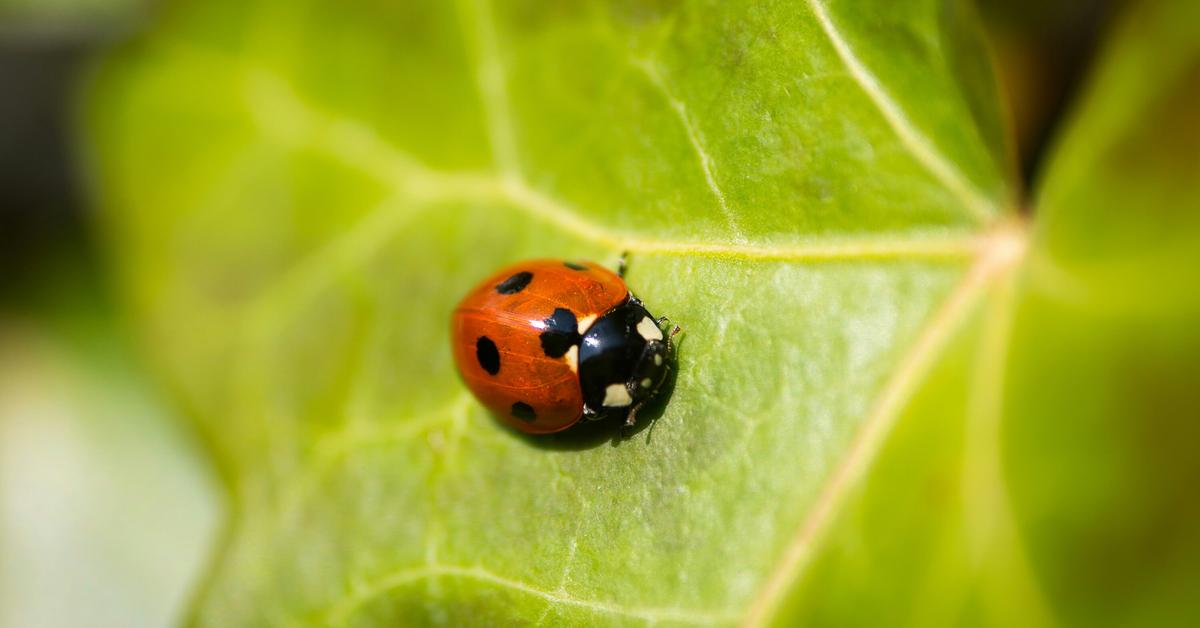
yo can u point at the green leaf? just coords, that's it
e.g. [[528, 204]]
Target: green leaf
[[1041, 474], [296, 194]]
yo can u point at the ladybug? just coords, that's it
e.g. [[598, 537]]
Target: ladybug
[[544, 343]]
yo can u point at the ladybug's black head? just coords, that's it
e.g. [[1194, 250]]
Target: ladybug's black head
[[623, 360]]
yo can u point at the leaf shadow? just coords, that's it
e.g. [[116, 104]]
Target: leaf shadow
[[590, 434]]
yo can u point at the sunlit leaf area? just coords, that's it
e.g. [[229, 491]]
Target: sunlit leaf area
[[936, 265]]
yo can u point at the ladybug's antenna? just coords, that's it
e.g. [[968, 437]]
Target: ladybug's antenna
[[664, 319]]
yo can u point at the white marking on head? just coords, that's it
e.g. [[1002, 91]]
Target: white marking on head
[[585, 323], [649, 330], [616, 396], [657, 359], [572, 357]]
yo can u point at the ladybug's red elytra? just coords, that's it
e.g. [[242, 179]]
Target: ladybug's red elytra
[[544, 343]]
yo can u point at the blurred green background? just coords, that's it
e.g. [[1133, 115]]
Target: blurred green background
[[108, 506], [115, 495]]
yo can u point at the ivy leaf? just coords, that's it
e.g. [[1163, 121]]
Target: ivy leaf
[[1038, 476], [296, 194]]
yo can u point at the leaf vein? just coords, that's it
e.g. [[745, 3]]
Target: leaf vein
[[706, 162], [343, 610], [917, 143], [1004, 250], [360, 147], [990, 519], [490, 80]]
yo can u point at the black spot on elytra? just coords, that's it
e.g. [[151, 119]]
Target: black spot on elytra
[[562, 331], [523, 411], [488, 356], [516, 283], [574, 266]]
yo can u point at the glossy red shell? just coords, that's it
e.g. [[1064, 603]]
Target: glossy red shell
[[513, 321]]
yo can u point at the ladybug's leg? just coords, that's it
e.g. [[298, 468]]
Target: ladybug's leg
[[664, 319], [589, 413], [631, 418]]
